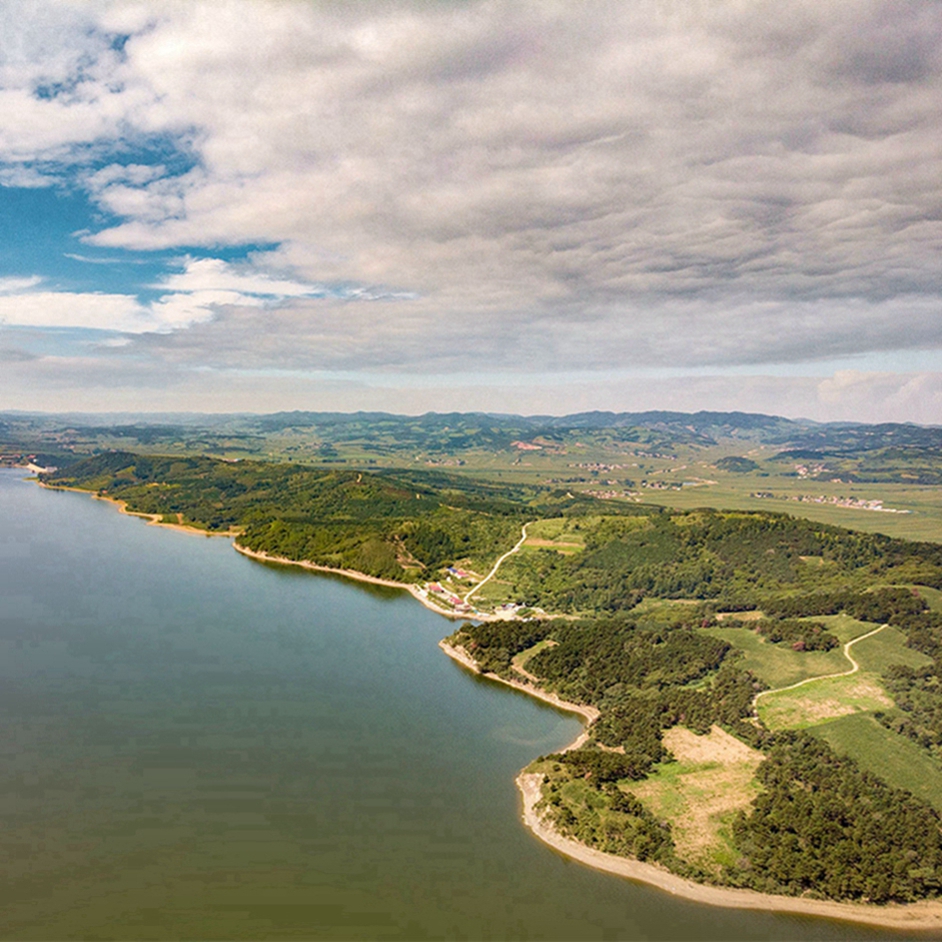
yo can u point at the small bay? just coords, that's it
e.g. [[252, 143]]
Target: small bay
[[195, 745]]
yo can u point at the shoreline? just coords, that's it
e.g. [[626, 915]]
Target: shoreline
[[921, 916], [153, 520], [589, 713], [156, 520], [352, 574]]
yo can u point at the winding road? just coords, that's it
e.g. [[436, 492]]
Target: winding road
[[810, 680], [493, 572]]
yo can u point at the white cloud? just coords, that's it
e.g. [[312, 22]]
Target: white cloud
[[104, 261], [67, 309], [25, 178], [134, 174], [580, 154], [16, 285], [589, 185], [582, 151], [419, 336], [191, 296], [213, 274], [889, 397]]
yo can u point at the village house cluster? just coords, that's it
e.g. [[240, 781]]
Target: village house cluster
[[854, 503]]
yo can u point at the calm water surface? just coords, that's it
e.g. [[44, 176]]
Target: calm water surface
[[198, 746]]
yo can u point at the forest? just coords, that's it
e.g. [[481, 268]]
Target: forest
[[406, 525], [738, 561], [395, 526]]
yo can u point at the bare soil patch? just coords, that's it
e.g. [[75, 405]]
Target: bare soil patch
[[716, 746], [712, 779]]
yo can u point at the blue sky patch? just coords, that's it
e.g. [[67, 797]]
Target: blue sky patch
[[39, 235]]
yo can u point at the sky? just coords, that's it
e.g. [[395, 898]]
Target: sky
[[533, 207]]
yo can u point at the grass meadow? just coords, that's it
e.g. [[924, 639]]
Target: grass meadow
[[896, 760]]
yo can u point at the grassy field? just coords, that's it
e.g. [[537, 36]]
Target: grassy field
[[777, 665], [563, 534], [823, 700], [693, 481], [519, 661], [891, 757], [689, 479], [885, 649], [933, 597], [710, 781], [733, 492], [845, 627], [840, 710]]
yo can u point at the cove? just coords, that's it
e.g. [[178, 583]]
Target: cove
[[196, 745]]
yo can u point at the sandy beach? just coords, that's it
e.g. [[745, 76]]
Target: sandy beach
[[157, 520], [153, 520]]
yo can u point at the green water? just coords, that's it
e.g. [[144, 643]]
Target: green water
[[198, 746]]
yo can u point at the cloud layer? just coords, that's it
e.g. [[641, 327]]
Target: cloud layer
[[508, 185]]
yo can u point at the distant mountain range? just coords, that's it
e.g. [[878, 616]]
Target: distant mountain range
[[708, 427], [457, 430]]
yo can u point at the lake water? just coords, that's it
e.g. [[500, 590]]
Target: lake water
[[198, 746]]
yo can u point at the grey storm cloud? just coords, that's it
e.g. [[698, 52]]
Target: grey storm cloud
[[590, 184]]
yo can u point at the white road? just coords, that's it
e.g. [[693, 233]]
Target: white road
[[493, 572]]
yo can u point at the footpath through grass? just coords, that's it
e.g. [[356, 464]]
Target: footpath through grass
[[887, 648], [815, 700], [820, 701], [777, 665]]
